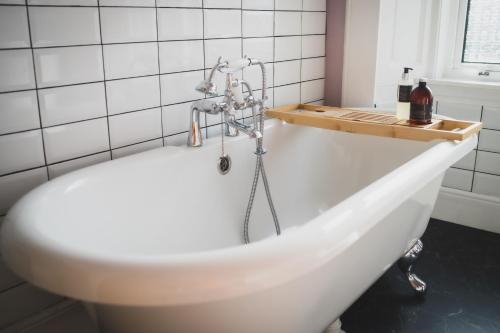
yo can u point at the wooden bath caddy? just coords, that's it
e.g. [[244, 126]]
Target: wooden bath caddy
[[373, 123]]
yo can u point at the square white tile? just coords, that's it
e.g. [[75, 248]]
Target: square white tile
[[18, 111], [16, 185], [489, 140], [486, 184], [259, 48], [465, 111], [68, 65], [225, 48], [133, 94], [59, 169], [72, 103], [287, 23], [179, 3], [180, 24], [137, 148], [258, 4], [488, 162], [14, 27], [62, 26], [287, 48], [312, 91], [129, 60], [221, 23], [174, 118], [138, 3], [491, 117], [313, 68], [180, 87], [180, 56], [313, 46], [121, 25], [134, 127], [288, 4], [73, 140], [222, 4], [458, 179], [286, 72], [16, 70], [21, 151], [257, 23], [287, 95], [314, 5], [467, 162], [313, 23]]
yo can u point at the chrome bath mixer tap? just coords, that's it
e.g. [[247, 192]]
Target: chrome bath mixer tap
[[233, 101]]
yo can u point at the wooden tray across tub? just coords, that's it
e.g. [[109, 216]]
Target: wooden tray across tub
[[373, 123]]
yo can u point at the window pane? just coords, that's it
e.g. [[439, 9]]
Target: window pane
[[482, 37]]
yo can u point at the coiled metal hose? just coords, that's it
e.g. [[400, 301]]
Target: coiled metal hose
[[259, 166]]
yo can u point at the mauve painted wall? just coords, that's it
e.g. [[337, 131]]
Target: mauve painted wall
[[335, 27]]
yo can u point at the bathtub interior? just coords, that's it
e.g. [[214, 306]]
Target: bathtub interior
[[159, 204]]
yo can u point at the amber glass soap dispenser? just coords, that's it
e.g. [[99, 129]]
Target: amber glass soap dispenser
[[421, 104]]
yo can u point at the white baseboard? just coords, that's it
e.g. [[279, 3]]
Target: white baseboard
[[469, 209]]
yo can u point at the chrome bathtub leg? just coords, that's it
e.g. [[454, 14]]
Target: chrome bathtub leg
[[406, 263], [335, 327]]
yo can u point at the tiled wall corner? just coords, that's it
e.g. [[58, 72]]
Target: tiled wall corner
[[86, 81]]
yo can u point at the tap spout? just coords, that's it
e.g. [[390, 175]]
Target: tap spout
[[247, 129]]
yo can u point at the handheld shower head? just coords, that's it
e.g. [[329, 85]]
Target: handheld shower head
[[207, 87]]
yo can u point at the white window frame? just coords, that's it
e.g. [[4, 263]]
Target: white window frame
[[453, 67]]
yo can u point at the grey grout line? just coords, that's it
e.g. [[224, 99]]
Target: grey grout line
[[104, 75], [147, 42], [36, 87], [159, 71], [475, 157]]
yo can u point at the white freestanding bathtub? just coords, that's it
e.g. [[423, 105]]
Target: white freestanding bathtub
[[153, 242]]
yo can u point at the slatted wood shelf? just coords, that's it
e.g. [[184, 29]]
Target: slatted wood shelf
[[373, 123]]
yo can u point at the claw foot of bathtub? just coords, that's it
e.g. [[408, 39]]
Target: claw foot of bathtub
[[335, 327], [406, 263]]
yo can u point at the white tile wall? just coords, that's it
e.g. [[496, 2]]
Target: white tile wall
[[68, 65], [62, 26], [128, 60], [489, 140], [85, 81], [16, 70], [14, 27], [459, 179], [72, 103], [479, 171], [18, 112], [257, 23]]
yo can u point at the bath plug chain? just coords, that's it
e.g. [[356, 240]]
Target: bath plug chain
[[224, 163]]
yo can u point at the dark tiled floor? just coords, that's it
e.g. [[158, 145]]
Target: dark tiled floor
[[462, 269]]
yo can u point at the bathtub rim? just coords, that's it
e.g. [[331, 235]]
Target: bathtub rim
[[277, 258]]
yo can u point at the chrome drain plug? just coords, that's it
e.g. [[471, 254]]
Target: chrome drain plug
[[224, 164]]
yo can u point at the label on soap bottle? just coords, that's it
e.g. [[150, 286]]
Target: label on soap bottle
[[404, 94], [421, 112]]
